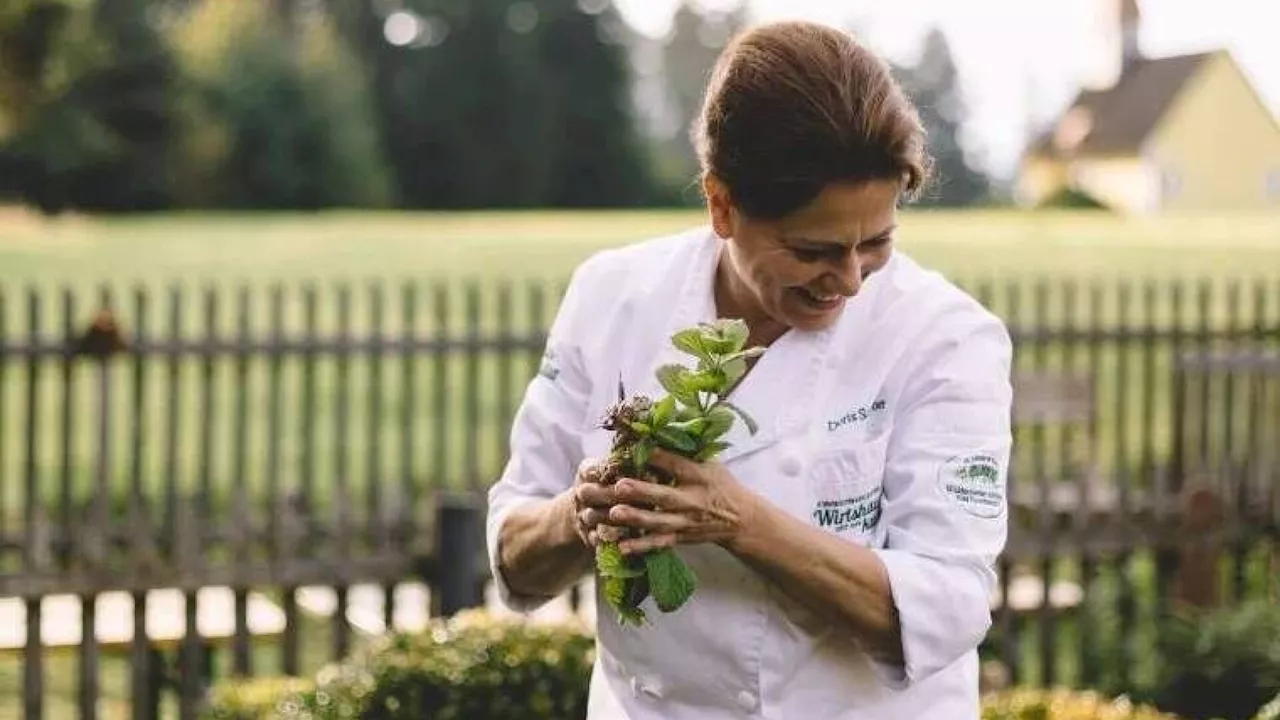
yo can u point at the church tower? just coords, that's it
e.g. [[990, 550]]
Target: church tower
[[1130, 23], [1117, 47]]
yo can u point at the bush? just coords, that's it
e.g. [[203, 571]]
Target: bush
[[1223, 663], [257, 698], [477, 667], [1062, 704], [471, 666]]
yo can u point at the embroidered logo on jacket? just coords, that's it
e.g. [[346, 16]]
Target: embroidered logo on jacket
[[548, 369], [973, 482], [859, 513]]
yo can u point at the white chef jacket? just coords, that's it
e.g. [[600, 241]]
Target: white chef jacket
[[890, 429]]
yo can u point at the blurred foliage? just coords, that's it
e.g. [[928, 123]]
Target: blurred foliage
[[123, 105], [85, 94], [469, 667], [1063, 704], [478, 666], [273, 117], [933, 83], [1221, 663]]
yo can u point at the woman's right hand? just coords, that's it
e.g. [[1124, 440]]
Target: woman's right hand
[[592, 499]]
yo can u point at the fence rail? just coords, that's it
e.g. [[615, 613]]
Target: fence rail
[[317, 460]]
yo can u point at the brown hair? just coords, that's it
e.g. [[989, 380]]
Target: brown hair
[[794, 106]]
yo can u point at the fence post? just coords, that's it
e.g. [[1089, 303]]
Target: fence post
[[460, 542]]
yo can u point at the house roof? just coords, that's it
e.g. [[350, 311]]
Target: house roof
[[1118, 119]]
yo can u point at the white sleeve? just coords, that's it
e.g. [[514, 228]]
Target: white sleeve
[[545, 437], [944, 505]]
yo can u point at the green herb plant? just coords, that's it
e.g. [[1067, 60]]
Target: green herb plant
[[691, 421]]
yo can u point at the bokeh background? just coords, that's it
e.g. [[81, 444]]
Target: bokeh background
[[274, 274]]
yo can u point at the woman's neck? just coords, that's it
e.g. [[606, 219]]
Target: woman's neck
[[734, 300]]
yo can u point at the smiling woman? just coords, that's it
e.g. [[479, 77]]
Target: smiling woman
[[842, 569]]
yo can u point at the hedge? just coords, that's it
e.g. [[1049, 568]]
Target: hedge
[[478, 667]]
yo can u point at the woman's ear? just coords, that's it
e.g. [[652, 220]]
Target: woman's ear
[[719, 206]]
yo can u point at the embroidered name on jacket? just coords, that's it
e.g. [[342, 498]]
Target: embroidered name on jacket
[[873, 413]]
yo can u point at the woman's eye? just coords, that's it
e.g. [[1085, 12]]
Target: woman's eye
[[810, 255]]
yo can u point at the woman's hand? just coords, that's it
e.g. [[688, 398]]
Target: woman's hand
[[705, 504], [592, 498]]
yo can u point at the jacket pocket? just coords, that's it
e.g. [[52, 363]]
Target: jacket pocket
[[845, 487]]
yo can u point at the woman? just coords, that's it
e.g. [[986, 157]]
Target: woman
[[845, 551]]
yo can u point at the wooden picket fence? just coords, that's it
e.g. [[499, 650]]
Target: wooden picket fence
[[228, 469]]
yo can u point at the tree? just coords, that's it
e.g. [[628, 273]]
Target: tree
[[933, 84], [277, 114], [599, 159], [505, 103], [689, 54], [86, 95]]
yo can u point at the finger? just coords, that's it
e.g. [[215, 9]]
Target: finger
[[590, 470], [590, 518], [634, 517], [645, 543], [597, 496], [636, 492]]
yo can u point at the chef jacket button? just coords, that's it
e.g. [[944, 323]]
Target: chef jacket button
[[746, 700], [790, 465]]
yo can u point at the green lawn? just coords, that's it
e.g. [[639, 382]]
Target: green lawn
[[539, 244]]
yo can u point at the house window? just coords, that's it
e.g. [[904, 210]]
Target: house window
[[1170, 183], [1273, 185]]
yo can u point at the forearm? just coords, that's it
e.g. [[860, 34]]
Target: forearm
[[539, 551], [842, 582]]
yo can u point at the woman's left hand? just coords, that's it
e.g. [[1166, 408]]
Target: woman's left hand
[[705, 504]]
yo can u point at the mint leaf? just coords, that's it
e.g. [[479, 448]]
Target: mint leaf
[[676, 379], [694, 426], [662, 411], [713, 448], [733, 371], [676, 439], [690, 341], [641, 452], [735, 332], [671, 582], [612, 564], [719, 420]]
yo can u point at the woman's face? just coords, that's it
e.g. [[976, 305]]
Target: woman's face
[[798, 272]]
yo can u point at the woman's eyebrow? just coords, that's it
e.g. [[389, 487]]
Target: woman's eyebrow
[[805, 240]]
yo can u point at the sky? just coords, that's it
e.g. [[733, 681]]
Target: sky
[[1021, 61]]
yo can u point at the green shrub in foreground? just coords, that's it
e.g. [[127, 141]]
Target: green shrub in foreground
[[471, 667], [477, 667]]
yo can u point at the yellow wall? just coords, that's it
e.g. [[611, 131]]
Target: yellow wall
[[1220, 141], [1125, 184], [1038, 178]]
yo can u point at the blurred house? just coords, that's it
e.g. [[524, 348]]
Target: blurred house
[[1184, 133]]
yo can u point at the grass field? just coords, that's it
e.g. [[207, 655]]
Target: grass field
[[540, 244], [199, 250]]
